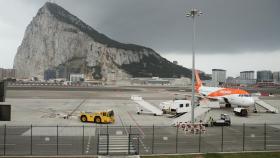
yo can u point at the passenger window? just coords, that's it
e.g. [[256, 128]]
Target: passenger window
[[187, 105], [181, 105]]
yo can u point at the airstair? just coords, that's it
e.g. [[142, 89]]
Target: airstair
[[267, 106], [140, 101], [199, 113], [177, 115]]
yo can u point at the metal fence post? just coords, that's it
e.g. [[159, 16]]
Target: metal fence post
[[177, 139], [5, 130], [138, 145], [129, 129], [107, 129], [31, 141], [107, 144], [83, 140], [56, 139], [199, 143], [243, 147], [129, 137], [97, 143], [222, 143], [264, 136], [153, 139]]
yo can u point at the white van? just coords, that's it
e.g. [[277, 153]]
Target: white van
[[175, 106]]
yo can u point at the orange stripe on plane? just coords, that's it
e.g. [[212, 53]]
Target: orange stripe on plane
[[227, 91], [198, 83]]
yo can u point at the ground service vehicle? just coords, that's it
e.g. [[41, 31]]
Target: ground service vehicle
[[240, 112], [98, 117], [223, 121], [175, 106]]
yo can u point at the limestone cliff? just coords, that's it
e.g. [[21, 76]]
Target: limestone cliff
[[57, 42]]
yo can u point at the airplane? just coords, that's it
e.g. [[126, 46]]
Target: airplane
[[231, 97], [212, 97]]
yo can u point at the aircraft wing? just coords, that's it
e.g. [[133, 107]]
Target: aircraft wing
[[213, 98], [196, 95]]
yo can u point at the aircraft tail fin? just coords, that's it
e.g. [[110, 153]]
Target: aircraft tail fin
[[198, 83]]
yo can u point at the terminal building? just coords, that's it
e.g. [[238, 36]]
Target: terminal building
[[246, 78], [77, 77], [7, 74], [247, 75], [264, 76], [276, 77], [219, 76]]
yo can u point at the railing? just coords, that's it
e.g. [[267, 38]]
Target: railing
[[84, 140]]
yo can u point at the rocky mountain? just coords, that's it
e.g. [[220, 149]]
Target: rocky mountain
[[57, 43]]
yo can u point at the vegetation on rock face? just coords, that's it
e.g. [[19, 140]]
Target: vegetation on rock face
[[97, 73], [151, 66]]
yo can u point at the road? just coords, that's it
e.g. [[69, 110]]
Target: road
[[119, 93]]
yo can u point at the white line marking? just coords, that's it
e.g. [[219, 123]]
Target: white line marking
[[52, 144], [272, 145], [256, 136], [266, 140], [234, 130], [88, 145]]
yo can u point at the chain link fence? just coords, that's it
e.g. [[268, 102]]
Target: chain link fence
[[113, 140]]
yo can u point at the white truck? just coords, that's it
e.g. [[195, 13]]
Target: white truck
[[240, 111], [176, 106]]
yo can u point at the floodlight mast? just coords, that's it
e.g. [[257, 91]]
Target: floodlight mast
[[193, 13]]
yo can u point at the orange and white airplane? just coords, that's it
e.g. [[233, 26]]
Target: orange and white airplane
[[229, 96]]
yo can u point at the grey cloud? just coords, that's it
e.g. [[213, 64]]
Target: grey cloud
[[225, 27]]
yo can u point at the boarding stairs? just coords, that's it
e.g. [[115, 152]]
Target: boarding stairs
[[177, 115], [199, 113], [118, 144], [140, 101], [266, 106]]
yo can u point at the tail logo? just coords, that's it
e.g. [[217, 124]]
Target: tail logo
[[198, 83]]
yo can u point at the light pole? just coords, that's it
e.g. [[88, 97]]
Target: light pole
[[193, 13]]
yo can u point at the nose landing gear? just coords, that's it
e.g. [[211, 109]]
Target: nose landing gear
[[255, 109]]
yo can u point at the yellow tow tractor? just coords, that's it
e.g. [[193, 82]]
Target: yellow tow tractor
[[98, 117]]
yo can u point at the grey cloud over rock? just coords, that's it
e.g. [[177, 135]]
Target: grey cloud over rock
[[226, 26]]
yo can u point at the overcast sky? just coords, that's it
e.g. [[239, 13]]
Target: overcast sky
[[234, 35]]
